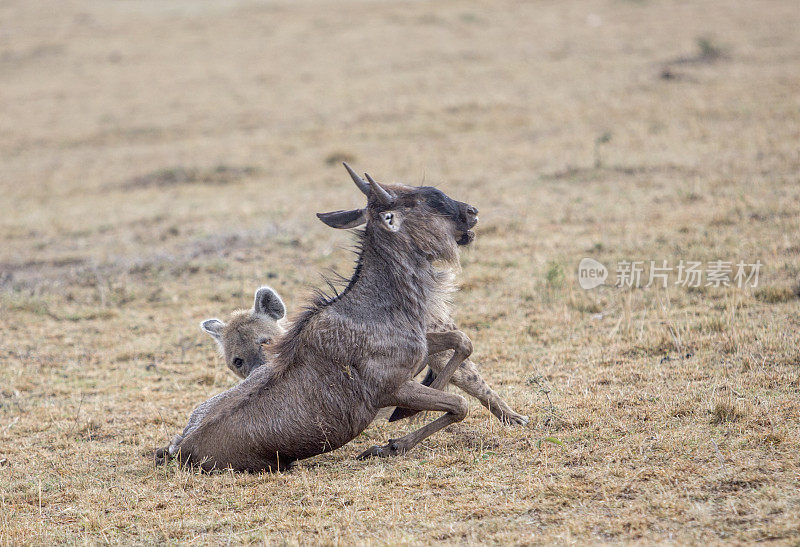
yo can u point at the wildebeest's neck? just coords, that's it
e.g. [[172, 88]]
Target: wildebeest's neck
[[394, 287], [393, 282]]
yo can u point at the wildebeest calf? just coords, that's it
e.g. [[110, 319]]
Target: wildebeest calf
[[243, 338], [348, 356]]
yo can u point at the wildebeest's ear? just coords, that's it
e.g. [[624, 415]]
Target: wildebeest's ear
[[269, 303], [343, 219], [213, 327]]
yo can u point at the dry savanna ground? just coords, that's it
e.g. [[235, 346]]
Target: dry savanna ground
[[160, 160]]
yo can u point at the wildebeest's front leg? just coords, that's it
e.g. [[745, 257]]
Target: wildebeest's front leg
[[418, 397], [468, 378], [470, 381], [442, 341], [438, 342], [163, 455]]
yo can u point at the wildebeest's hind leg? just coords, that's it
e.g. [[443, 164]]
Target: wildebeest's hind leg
[[418, 397]]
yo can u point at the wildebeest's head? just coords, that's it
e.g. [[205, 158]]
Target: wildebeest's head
[[425, 216], [244, 337]]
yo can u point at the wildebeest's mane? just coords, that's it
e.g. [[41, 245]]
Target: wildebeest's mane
[[334, 279], [286, 348]]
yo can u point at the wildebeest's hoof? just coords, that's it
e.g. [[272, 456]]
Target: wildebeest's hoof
[[515, 419], [391, 449], [161, 456], [372, 452]]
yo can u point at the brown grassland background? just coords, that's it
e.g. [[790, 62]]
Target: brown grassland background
[[161, 159]]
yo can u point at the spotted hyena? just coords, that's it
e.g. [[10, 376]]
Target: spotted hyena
[[243, 338], [242, 342]]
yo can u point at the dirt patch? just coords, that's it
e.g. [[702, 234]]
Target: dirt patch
[[174, 176]]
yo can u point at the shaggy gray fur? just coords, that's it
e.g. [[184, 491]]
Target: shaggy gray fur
[[345, 358]]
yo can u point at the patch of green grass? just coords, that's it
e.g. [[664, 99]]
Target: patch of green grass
[[725, 411], [554, 275], [776, 294]]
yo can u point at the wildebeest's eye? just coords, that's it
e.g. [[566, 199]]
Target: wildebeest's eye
[[266, 342], [237, 362]]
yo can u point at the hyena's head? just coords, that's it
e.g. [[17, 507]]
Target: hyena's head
[[243, 338]]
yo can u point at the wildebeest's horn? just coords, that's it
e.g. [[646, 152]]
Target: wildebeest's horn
[[361, 183], [383, 196]]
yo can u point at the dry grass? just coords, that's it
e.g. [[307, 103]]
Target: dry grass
[[616, 130]]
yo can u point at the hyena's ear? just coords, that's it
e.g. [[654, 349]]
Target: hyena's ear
[[343, 219], [214, 328], [269, 303]]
